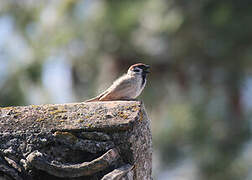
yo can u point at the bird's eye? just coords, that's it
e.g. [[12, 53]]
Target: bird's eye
[[136, 70]]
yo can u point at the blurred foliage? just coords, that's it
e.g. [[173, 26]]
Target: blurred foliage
[[199, 51]]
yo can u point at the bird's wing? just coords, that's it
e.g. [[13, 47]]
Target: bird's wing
[[118, 90]]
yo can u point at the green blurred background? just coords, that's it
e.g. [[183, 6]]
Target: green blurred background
[[199, 92]]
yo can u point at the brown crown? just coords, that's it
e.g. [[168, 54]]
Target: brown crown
[[139, 65]]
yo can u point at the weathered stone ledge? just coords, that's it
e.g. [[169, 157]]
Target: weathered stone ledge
[[108, 140]]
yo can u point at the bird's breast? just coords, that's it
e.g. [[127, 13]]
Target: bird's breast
[[138, 87]]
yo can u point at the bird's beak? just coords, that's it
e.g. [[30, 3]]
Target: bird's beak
[[146, 69]]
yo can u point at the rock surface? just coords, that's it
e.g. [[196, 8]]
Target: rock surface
[[98, 140]]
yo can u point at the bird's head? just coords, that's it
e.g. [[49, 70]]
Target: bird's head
[[139, 69]]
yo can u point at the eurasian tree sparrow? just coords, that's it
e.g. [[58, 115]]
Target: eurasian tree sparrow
[[127, 87]]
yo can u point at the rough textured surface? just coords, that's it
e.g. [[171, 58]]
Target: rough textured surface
[[39, 161], [124, 172], [75, 141]]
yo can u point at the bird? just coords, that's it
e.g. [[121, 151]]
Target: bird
[[127, 87]]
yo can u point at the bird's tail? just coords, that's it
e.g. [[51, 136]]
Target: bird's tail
[[97, 98], [93, 99]]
